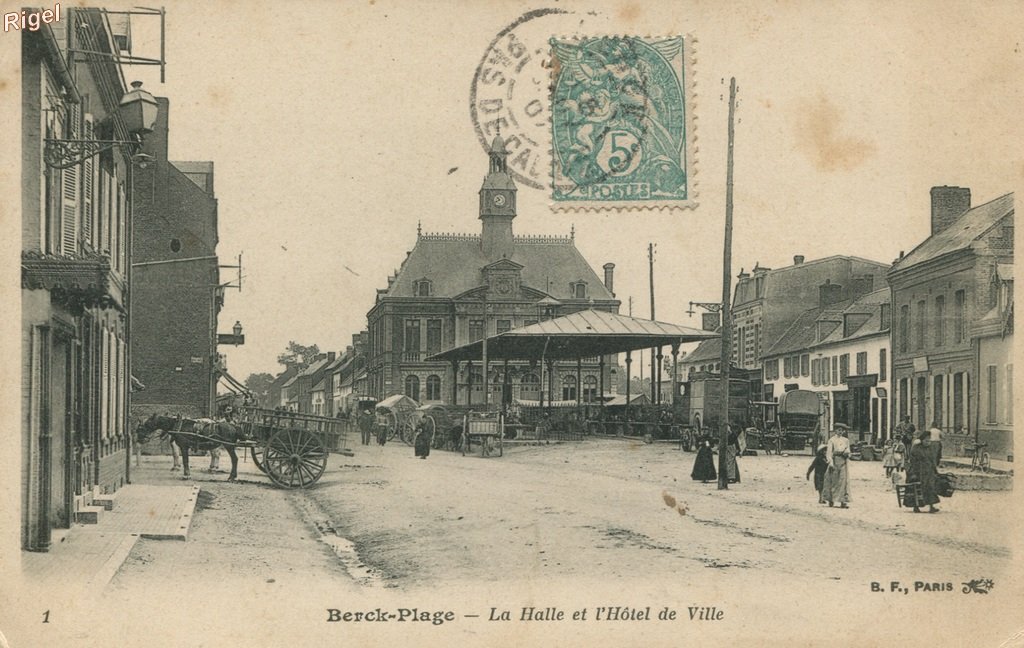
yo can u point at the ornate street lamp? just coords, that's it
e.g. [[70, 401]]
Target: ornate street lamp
[[138, 111]]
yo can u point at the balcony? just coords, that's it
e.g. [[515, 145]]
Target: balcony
[[76, 282]]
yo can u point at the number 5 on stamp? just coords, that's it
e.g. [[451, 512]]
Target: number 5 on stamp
[[621, 123]]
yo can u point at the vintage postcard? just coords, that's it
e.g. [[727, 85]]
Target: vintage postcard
[[506, 324]]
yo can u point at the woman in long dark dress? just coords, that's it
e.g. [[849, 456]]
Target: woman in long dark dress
[[421, 443], [922, 469], [704, 465]]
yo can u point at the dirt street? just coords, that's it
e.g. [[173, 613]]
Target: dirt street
[[601, 510], [600, 523]]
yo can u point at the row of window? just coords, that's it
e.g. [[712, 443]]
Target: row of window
[[413, 342], [914, 328], [829, 370], [425, 288], [84, 203]]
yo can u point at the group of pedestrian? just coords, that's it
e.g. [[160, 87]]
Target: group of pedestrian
[[831, 469], [704, 463], [920, 463]]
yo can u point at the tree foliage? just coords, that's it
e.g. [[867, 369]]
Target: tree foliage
[[298, 355], [259, 385]]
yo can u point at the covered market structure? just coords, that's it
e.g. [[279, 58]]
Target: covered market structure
[[584, 334]]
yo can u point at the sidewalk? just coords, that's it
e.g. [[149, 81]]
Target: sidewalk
[[154, 506]]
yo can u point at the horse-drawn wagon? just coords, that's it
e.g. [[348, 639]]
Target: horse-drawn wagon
[[396, 414], [792, 423], [290, 448]]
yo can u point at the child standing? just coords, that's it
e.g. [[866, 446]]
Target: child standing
[[818, 467]]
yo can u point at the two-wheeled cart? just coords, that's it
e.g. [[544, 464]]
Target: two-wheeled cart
[[292, 448]]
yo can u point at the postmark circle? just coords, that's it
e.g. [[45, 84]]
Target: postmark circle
[[509, 96]]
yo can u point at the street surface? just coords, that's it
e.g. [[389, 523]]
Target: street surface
[[586, 524]]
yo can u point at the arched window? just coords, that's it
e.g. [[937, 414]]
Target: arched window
[[529, 388], [412, 387], [590, 389], [433, 387], [569, 388]]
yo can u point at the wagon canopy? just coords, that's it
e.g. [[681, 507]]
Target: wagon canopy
[[399, 402], [799, 401], [583, 334]]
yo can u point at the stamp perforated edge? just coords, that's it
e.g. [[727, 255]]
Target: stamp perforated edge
[[689, 62]]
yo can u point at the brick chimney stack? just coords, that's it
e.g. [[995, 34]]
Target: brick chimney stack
[[798, 259], [609, 277], [948, 203]]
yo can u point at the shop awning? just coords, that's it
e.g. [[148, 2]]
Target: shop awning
[[584, 334]]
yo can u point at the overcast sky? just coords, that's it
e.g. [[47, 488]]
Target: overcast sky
[[333, 128]]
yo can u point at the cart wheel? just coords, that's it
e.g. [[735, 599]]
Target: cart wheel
[[257, 452], [406, 432], [295, 458], [986, 462], [436, 442], [392, 425]]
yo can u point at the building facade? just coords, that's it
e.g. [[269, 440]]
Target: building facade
[[766, 302], [841, 351], [952, 300], [75, 265], [177, 292], [452, 289]]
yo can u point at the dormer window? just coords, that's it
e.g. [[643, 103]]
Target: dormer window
[[423, 288], [579, 290]]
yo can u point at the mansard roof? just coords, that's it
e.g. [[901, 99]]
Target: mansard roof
[[453, 263]]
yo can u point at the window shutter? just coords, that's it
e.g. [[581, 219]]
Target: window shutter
[[104, 381], [122, 210], [69, 194], [88, 186]]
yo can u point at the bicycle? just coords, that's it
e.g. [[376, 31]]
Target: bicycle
[[980, 459]]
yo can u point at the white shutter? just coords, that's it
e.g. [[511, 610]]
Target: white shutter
[[89, 168], [70, 193]]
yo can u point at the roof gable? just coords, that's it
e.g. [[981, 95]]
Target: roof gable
[[960, 234]]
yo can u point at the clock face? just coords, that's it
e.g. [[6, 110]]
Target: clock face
[[499, 200]]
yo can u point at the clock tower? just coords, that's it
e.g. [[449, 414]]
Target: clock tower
[[497, 204]]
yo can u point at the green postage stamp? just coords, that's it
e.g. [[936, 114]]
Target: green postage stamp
[[622, 133]]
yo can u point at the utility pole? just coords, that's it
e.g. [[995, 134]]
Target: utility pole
[[650, 265], [723, 427], [483, 359]]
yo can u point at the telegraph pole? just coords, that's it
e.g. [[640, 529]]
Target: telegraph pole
[[723, 427], [650, 265]]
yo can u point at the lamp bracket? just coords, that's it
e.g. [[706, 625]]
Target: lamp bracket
[[711, 307], [65, 153]]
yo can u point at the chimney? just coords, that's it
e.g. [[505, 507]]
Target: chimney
[[948, 203], [862, 285], [609, 277], [331, 356], [798, 259], [829, 293]]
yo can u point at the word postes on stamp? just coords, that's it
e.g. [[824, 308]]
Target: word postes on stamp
[[621, 123]]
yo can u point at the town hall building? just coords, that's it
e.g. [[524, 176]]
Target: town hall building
[[454, 289]]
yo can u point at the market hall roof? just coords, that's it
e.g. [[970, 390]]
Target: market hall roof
[[582, 334], [453, 264]]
